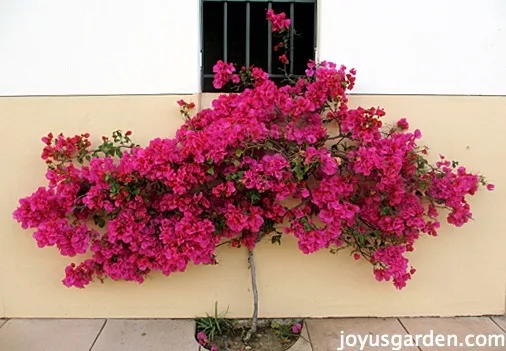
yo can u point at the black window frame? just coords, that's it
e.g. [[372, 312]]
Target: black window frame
[[269, 68]]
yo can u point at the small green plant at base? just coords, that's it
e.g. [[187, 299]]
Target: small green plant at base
[[215, 325], [285, 332]]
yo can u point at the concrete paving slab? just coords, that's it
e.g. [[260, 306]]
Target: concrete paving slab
[[49, 334], [501, 321], [147, 335], [339, 334], [2, 322], [454, 332]]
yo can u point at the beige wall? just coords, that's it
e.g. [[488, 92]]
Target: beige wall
[[462, 272]]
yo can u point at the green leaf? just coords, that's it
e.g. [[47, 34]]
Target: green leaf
[[386, 211], [210, 171], [238, 152], [99, 221], [305, 223], [275, 325], [299, 173], [219, 224], [237, 163], [115, 187], [276, 239], [254, 197]]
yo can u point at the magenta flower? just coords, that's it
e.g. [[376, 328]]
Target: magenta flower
[[223, 73], [279, 21], [202, 339], [403, 124], [296, 328], [283, 59]]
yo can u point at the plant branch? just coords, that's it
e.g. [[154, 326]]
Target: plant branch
[[224, 243], [254, 320], [336, 137]]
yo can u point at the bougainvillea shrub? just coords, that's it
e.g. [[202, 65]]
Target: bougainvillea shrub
[[356, 183]]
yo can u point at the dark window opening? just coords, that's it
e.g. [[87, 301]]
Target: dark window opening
[[237, 31]]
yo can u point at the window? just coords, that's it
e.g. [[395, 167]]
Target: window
[[236, 31]]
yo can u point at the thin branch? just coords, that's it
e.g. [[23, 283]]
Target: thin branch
[[224, 243], [336, 137], [254, 320]]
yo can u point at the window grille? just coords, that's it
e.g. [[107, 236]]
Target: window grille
[[236, 31]]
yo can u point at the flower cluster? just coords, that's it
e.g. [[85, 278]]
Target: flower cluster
[[204, 341], [226, 174], [297, 328], [61, 148], [224, 72], [279, 21]]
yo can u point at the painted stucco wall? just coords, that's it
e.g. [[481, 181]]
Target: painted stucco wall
[[96, 47], [462, 272], [431, 47]]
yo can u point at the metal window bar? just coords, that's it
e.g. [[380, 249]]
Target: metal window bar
[[248, 32], [269, 33], [269, 43], [225, 31], [306, 1], [292, 34]]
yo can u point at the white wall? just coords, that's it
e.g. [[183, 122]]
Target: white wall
[[418, 47], [67, 47], [74, 47]]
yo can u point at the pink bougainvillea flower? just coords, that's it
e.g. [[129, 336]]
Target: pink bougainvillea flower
[[279, 21], [223, 73], [202, 339], [283, 59], [403, 124]]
